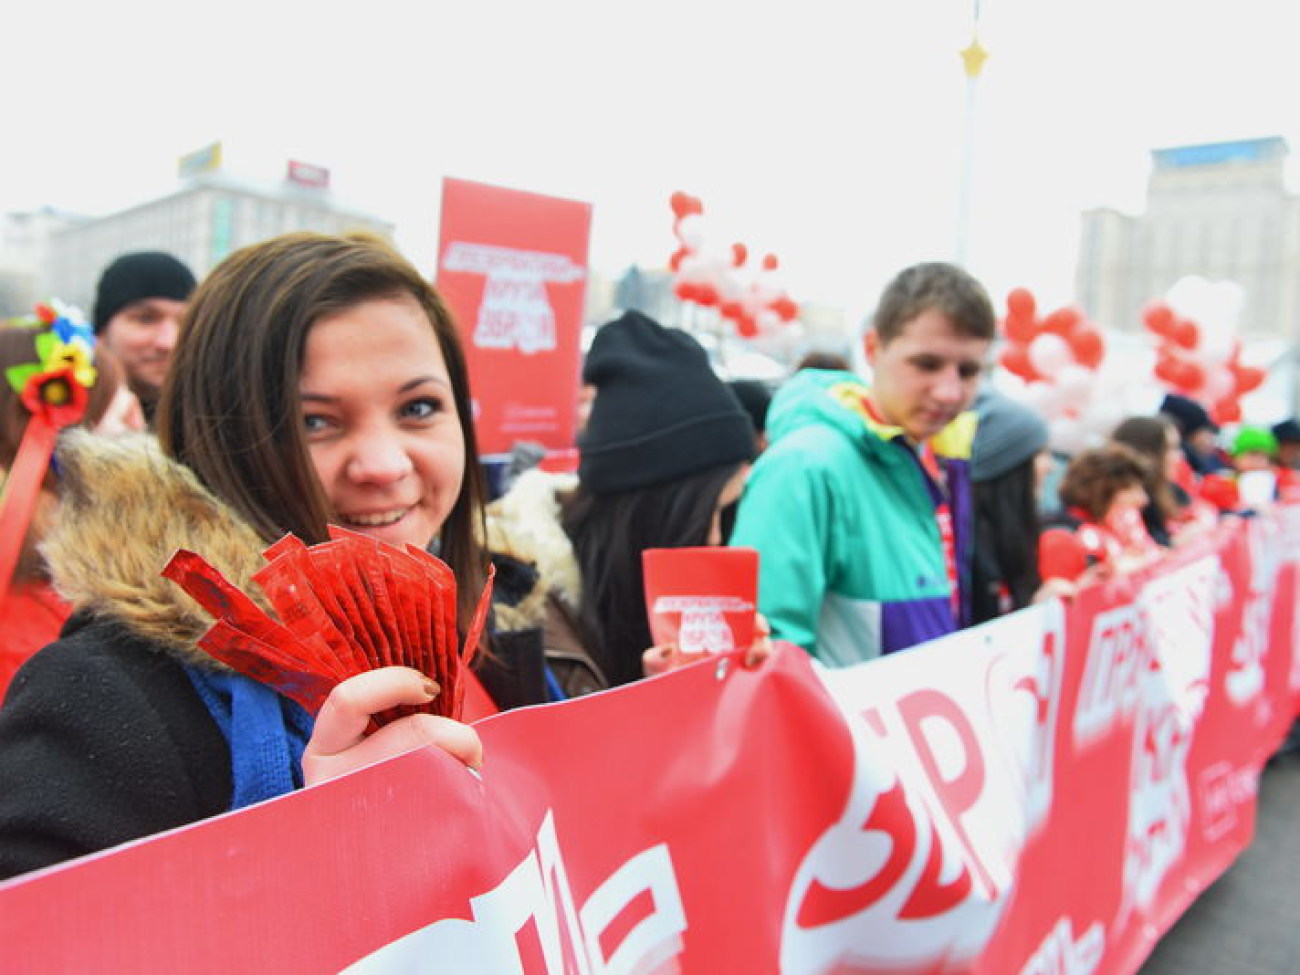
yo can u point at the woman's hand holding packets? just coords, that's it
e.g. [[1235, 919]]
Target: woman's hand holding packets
[[339, 743]]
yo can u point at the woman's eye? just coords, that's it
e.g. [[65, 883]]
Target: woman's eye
[[314, 423], [421, 409]]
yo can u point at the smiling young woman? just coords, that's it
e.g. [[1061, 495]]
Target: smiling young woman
[[317, 380]]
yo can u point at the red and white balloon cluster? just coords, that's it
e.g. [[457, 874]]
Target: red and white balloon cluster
[[1197, 354], [750, 297], [1058, 358]]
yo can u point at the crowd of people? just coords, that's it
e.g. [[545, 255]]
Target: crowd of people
[[315, 380]]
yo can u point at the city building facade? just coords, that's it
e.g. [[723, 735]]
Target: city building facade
[[212, 214], [1220, 211]]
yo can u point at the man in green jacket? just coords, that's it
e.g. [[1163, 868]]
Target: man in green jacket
[[860, 508]]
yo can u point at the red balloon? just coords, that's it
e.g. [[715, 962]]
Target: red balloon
[[1190, 377], [747, 327], [731, 309], [1248, 378], [1063, 321], [1185, 333], [1015, 359], [1227, 410], [684, 290], [1088, 347], [739, 255], [770, 262], [684, 204], [1167, 370], [1018, 328], [1219, 491], [1158, 317], [706, 294], [786, 308], [1020, 304]]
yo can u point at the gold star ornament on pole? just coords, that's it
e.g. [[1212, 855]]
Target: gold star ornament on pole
[[974, 56]]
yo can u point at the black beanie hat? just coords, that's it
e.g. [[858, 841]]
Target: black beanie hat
[[134, 277], [1187, 414], [755, 398], [1288, 431], [660, 413]]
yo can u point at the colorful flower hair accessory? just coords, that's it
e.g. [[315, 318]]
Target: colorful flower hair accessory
[[58, 384], [56, 390]]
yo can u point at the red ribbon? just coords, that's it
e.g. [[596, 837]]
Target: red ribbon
[[22, 490]]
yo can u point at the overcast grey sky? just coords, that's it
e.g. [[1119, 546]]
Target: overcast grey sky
[[829, 133]]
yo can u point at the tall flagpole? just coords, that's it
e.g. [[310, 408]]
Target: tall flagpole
[[973, 57]]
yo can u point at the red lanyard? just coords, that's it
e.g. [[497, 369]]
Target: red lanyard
[[932, 468], [943, 518]]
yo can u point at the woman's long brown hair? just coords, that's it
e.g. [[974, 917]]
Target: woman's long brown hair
[[230, 409]]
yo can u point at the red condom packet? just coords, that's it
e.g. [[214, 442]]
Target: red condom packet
[[345, 606], [703, 600]]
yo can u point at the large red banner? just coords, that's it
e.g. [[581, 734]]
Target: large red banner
[[1043, 794], [513, 266]]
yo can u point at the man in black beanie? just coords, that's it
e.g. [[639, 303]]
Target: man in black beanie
[[138, 308]]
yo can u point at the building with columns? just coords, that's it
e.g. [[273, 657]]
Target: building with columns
[[1221, 211]]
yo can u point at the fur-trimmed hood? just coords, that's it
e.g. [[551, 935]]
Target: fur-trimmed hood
[[525, 524], [125, 509]]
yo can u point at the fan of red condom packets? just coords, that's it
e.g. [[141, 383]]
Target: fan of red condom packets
[[345, 606]]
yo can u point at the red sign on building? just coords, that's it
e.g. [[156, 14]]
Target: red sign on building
[[305, 174]]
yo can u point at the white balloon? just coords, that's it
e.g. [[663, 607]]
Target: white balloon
[[1215, 306], [1219, 382], [1066, 435], [1076, 384], [694, 269], [690, 231], [1049, 354], [1043, 398]]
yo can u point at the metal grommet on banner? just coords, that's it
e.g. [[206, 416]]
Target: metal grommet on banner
[[724, 664]]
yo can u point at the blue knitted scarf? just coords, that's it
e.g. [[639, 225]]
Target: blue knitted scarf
[[266, 733]]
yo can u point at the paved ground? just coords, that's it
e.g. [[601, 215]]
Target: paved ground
[[1248, 922]]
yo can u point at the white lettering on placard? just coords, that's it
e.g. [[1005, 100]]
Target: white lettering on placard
[[1168, 631], [703, 627], [1172, 689], [1245, 680], [917, 869], [515, 311], [1116, 655], [535, 905], [1062, 954], [1224, 789]]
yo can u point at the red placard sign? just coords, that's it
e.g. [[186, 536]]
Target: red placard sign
[[513, 266], [702, 600]]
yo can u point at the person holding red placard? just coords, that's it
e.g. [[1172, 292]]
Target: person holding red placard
[[317, 380], [1101, 529], [666, 447]]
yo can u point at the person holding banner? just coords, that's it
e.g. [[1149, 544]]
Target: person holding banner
[[318, 379], [1100, 531], [31, 357], [666, 448], [860, 508]]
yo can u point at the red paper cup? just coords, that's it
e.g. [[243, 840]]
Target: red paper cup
[[701, 599]]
